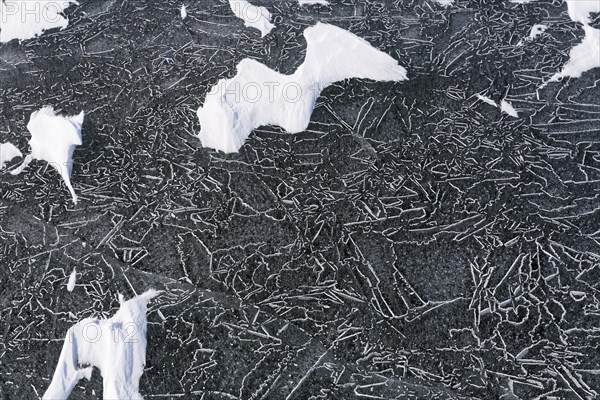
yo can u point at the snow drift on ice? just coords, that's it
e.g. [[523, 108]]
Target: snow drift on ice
[[28, 19], [116, 346], [53, 139], [8, 152], [259, 96], [586, 55]]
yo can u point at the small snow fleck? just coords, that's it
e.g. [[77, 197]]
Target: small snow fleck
[[183, 12], [507, 108], [487, 100], [72, 280]]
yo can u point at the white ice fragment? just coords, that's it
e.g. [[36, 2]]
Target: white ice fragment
[[259, 96], [72, 280], [27, 19], [53, 139], [253, 16], [8, 152], [116, 346], [183, 12], [507, 108], [309, 2], [522, 1]]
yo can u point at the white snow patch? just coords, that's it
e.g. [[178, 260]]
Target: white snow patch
[[444, 3], [26, 19], [580, 10], [183, 12], [8, 152], [507, 108], [522, 1], [72, 280], [116, 346], [586, 55], [253, 16], [309, 2], [583, 57], [53, 139], [259, 96]]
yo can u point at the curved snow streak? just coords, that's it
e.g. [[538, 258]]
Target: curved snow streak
[[26, 19], [259, 96], [53, 139], [116, 346], [253, 16]]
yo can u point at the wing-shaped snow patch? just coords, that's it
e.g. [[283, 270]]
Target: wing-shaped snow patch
[[259, 96], [53, 139], [253, 16], [116, 346], [27, 19], [8, 152]]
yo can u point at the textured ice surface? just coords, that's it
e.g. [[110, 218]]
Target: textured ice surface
[[27, 19], [116, 346], [53, 139], [253, 16], [8, 152], [258, 96], [413, 242]]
